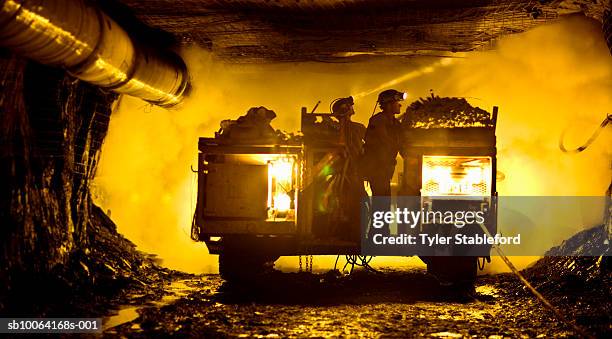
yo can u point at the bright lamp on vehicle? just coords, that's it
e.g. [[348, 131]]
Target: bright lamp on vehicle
[[456, 176], [281, 182]]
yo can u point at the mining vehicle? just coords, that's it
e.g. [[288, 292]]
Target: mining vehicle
[[264, 196]]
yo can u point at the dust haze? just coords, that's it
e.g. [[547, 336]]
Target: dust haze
[[548, 79]]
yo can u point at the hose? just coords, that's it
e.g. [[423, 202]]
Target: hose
[[594, 136], [359, 260], [532, 289]]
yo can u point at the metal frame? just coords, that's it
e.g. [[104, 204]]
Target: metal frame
[[262, 236]]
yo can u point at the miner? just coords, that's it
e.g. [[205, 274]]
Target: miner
[[382, 143], [352, 190], [352, 132]]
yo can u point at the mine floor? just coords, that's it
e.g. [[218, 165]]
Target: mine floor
[[365, 304]]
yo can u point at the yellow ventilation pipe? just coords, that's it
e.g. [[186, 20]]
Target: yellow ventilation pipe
[[91, 46]]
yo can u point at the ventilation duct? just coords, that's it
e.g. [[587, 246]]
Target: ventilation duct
[[79, 37]]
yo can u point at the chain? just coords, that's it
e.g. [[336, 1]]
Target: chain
[[300, 258], [311, 264], [308, 263]]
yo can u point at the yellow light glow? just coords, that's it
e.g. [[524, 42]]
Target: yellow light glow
[[281, 184], [474, 175], [452, 175], [282, 170], [551, 87], [282, 202], [442, 173]]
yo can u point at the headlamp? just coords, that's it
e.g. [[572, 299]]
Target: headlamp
[[391, 95], [400, 96]]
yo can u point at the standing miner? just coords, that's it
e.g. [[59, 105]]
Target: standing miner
[[382, 144], [352, 190], [352, 132]]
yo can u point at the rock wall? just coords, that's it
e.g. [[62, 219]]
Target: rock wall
[[607, 27], [52, 129]]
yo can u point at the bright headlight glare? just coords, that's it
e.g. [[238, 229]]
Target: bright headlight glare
[[281, 183], [453, 175]]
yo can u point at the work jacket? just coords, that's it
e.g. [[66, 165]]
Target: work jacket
[[382, 143], [354, 139]]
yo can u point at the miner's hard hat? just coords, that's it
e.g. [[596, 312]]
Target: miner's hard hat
[[338, 103], [391, 95]]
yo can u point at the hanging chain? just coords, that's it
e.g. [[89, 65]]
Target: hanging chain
[[310, 264]]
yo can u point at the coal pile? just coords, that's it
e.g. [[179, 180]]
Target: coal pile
[[580, 286], [253, 127], [578, 269], [105, 274], [117, 268], [437, 112]]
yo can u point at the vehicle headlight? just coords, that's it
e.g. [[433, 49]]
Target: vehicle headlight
[[456, 176]]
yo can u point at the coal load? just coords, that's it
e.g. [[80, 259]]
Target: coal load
[[437, 112], [324, 129], [254, 127]]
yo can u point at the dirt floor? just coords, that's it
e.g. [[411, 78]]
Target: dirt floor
[[365, 304], [137, 297]]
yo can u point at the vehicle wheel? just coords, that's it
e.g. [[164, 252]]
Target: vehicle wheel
[[244, 266], [453, 270]]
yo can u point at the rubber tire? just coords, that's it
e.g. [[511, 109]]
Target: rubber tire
[[241, 267], [454, 270]]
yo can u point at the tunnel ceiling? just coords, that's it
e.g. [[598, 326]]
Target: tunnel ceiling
[[347, 30]]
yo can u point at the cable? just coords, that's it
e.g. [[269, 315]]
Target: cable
[[349, 260], [530, 287], [481, 266], [594, 136], [374, 110], [357, 260], [195, 230]]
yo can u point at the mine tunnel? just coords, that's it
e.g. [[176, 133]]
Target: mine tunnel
[[293, 168]]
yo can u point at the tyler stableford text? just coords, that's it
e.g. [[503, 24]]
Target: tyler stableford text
[[436, 239]]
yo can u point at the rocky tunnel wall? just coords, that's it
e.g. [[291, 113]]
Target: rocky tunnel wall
[[52, 130]]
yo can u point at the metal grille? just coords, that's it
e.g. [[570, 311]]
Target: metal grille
[[455, 175]]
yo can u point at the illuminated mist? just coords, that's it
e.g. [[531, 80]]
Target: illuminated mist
[[544, 80]]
